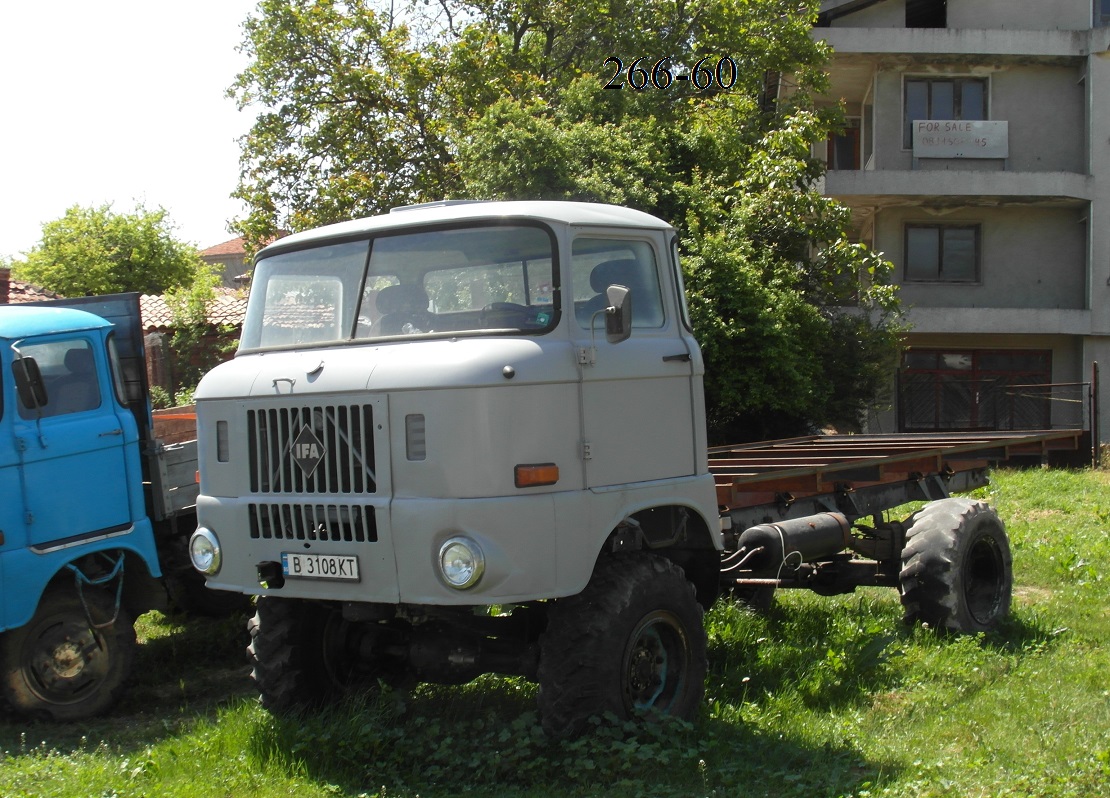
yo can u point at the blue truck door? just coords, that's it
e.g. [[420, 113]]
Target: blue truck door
[[73, 448]]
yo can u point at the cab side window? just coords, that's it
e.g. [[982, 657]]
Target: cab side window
[[599, 263], [69, 372]]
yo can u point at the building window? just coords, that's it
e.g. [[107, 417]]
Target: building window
[[942, 98], [977, 389], [946, 253], [926, 13], [843, 147], [1102, 13]]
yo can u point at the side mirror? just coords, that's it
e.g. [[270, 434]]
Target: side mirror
[[618, 316], [28, 382]]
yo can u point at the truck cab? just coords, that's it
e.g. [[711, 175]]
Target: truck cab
[[447, 408], [73, 520], [444, 373]]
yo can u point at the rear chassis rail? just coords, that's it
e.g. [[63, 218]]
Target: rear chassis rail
[[857, 477]]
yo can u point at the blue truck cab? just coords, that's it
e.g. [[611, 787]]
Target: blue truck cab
[[78, 557]]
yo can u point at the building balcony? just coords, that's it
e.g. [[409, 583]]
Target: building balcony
[[1003, 321], [931, 42], [884, 187]]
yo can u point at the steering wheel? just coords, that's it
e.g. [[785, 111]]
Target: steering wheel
[[505, 314]]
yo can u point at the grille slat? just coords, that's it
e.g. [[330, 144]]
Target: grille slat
[[288, 480], [341, 438], [348, 523]]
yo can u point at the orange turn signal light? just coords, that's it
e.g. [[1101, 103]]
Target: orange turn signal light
[[535, 475]]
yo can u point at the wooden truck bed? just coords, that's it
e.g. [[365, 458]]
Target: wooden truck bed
[[864, 474], [173, 462]]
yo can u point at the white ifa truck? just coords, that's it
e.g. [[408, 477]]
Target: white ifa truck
[[470, 437]]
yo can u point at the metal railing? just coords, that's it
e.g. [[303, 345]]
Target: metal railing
[[928, 402]]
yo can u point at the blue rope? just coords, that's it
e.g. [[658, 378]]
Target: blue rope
[[81, 579]]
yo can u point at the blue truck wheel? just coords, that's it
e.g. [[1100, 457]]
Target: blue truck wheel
[[58, 666]]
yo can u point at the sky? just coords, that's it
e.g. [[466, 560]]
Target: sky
[[119, 102]]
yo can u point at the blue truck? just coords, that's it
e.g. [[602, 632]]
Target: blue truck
[[95, 510]]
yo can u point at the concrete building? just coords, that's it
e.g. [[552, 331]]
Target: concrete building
[[977, 159], [231, 259]]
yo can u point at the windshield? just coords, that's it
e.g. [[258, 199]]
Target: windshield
[[470, 280]]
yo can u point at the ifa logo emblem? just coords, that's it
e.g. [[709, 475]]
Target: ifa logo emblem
[[308, 451]]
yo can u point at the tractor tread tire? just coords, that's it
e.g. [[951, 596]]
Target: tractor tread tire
[[957, 569], [589, 637], [286, 655]]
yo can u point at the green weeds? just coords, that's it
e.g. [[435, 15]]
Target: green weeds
[[820, 697]]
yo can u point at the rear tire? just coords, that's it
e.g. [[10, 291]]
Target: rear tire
[[185, 584], [757, 599], [190, 595], [957, 569], [632, 641], [59, 668]]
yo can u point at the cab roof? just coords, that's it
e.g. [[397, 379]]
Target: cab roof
[[22, 321], [450, 211]]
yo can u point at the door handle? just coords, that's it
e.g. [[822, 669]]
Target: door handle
[[110, 433], [683, 358]]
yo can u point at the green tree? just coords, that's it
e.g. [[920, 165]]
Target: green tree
[[93, 251], [364, 108], [351, 120], [196, 344]]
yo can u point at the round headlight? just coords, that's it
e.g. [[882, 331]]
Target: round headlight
[[204, 551], [461, 562]]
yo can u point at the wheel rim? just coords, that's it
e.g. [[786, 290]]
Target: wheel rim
[[655, 663], [985, 584], [65, 662]]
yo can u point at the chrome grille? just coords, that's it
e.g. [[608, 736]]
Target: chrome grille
[[340, 438], [350, 523]]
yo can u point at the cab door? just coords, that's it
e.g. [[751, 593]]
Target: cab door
[[637, 396], [72, 449]]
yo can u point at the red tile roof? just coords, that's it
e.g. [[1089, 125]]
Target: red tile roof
[[236, 246], [19, 291], [229, 307]]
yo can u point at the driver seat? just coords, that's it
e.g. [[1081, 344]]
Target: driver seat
[[607, 273], [398, 304], [78, 389]]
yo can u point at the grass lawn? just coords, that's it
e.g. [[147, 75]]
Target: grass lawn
[[820, 697]]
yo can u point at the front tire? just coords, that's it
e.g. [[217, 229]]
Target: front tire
[[58, 666], [957, 569], [303, 653], [632, 641]]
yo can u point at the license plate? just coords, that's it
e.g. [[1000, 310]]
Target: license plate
[[319, 566]]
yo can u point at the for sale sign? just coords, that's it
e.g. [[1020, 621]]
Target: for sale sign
[[958, 138]]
